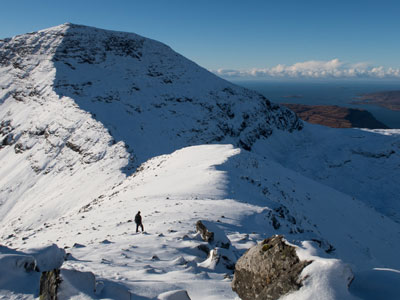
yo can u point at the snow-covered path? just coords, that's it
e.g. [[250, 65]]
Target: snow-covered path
[[196, 183]]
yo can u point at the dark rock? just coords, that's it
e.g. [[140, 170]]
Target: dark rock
[[212, 233], [282, 219], [325, 245], [204, 248], [49, 283], [268, 271], [226, 261], [73, 147], [206, 235], [30, 266], [8, 140], [275, 222], [224, 245]]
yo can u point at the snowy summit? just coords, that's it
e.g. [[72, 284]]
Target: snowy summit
[[97, 125]]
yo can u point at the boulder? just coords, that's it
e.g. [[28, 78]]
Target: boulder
[[268, 270]]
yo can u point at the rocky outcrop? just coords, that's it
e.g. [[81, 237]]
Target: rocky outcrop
[[220, 253], [49, 283], [212, 234], [268, 271], [220, 259], [206, 235]]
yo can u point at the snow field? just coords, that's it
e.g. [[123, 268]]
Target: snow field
[[118, 123]]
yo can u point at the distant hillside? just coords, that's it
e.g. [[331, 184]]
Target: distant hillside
[[387, 99], [336, 116]]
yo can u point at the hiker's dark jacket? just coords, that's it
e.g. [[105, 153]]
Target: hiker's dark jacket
[[138, 219]]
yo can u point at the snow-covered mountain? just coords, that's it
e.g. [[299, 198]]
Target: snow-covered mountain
[[96, 125]]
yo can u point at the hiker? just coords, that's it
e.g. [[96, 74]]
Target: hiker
[[138, 221]]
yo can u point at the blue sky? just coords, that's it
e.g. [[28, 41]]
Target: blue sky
[[241, 38]]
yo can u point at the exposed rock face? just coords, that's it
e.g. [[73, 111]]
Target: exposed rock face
[[49, 283], [268, 271]]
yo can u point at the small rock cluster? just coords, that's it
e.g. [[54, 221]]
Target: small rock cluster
[[221, 254]]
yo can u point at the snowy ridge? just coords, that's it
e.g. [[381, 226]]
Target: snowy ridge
[[172, 100], [150, 99], [96, 125]]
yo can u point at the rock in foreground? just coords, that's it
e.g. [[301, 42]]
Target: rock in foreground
[[49, 283], [268, 271]]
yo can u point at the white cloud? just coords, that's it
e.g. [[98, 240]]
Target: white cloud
[[315, 69]]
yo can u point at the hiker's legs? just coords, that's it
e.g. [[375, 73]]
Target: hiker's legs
[[137, 227], [141, 225]]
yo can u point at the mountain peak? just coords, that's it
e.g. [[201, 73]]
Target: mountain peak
[[141, 82], [77, 98], [69, 25]]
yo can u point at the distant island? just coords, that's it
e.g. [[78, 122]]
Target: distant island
[[336, 116], [387, 99]]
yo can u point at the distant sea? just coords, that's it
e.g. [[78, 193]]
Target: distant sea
[[328, 93]]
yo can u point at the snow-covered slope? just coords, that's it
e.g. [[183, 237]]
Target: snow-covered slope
[[77, 100], [96, 125], [360, 163]]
